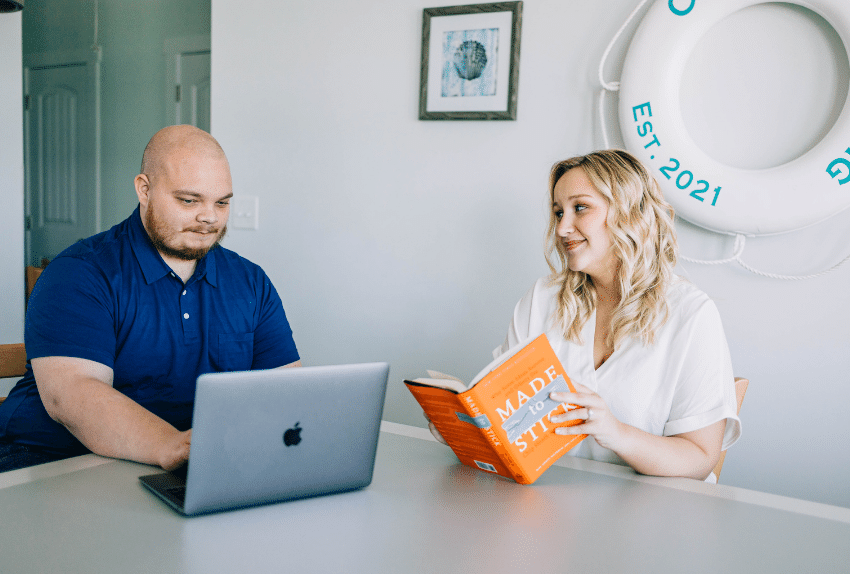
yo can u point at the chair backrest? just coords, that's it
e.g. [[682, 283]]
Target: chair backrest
[[741, 385], [32, 275], [13, 362]]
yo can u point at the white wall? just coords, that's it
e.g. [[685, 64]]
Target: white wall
[[11, 181], [395, 239]]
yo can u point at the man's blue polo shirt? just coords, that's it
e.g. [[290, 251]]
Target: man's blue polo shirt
[[112, 299]]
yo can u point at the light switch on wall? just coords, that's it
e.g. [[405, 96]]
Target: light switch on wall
[[245, 212]]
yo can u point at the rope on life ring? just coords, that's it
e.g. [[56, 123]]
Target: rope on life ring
[[833, 169]]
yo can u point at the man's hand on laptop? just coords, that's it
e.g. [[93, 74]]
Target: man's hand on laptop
[[175, 452]]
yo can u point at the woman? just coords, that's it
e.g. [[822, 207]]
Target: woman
[[644, 348]]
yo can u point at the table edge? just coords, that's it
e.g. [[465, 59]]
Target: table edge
[[723, 491]]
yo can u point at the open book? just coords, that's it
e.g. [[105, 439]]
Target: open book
[[500, 421]]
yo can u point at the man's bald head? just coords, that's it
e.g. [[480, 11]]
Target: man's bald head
[[184, 193], [177, 142]]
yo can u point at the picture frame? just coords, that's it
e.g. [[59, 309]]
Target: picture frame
[[470, 62]]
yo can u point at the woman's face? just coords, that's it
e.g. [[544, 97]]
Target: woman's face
[[581, 212]]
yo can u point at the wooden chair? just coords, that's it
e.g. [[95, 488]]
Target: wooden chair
[[741, 385], [32, 275], [13, 362]]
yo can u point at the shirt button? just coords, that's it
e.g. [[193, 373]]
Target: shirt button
[[172, 274], [184, 292], [185, 315]]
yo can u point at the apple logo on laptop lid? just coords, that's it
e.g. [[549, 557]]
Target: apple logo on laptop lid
[[292, 436]]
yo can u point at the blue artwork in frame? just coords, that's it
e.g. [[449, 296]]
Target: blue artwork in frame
[[470, 62]]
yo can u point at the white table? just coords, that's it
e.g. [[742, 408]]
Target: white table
[[423, 512]]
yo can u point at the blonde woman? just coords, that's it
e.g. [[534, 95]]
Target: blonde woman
[[644, 348]]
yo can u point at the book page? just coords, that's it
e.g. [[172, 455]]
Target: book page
[[501, 359], [439, 375], [449, 384]]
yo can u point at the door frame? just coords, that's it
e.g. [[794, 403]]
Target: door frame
[[92, 59], [173, 48]]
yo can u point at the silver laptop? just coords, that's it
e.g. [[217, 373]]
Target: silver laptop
[[273, 435]]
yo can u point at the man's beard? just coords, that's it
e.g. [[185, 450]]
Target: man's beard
[[160, 236]]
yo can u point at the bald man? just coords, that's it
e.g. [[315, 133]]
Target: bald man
[[121, 324]]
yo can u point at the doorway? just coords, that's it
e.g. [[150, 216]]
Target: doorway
[[188, 79], [61, 151]]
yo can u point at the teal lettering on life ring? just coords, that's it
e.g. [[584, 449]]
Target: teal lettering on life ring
[[684, 12], [834, 171], [703, 191]]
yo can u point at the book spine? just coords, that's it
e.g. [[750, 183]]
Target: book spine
[[472, 405], [450, 415]]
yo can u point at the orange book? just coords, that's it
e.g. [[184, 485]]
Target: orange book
[[500, 422]]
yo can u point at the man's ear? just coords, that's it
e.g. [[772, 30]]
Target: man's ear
[[143, 187]]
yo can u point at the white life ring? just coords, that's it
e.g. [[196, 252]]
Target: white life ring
[[702, 190]]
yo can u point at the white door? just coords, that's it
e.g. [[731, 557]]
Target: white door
[[187, 73], [194, 89], [60, 157]]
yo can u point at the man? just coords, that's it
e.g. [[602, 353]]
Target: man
[[121, 324]]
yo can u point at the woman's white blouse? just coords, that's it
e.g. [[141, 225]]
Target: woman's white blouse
[[683, 382]]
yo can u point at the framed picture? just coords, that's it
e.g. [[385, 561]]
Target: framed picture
[[470, 62]]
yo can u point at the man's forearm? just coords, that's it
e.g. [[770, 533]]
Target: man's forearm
[[78, 394], [110, 424]]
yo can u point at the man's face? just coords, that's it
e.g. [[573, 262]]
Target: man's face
[[186, 204]]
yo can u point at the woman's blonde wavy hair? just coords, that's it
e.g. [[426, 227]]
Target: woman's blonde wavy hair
[[643, 240]]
